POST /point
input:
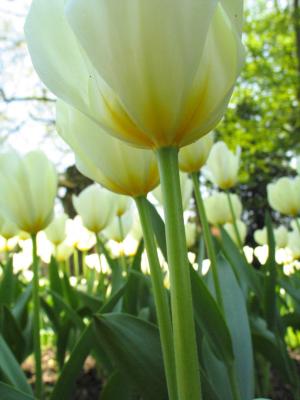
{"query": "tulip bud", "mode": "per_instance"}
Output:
(242, 230)
(280, 236)
(96, 207)
(218, 210)
(119, 227)
(78, 236)
(63, 252)
(190, 234)
(223, 166)
(163, 78)
(294, 243)
(122, 204)
(186, 186)
(28, 188)
(194, 156)
(284, 195)
(8, 229)
(56, 231)
(116, 165)
(261, 236)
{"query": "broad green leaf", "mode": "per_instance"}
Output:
(83, 347)
(237, 321)
(273, 349)
(12, 334)
(11, 369)
(8, 392)
(22, 302)
(7, 284)
(210, 320)
(134, 347)
(67, 379)
(72, 315)
(117, 388)
(245, 274)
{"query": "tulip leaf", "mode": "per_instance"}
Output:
(245, 274)
(210, 320)
(117, 388)
(21, 303)
(7, 284)
(134, 347)
(158, 228)
(72, 315)
(273, 349)
(237, 321)
(8, 392)
(83, 347)
(136, 263)
(11, 369)
(12, 334)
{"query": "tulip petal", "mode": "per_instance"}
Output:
(148, 52)
(105, 159)
(55, 52)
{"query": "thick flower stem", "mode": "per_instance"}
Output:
(36, 322)
(208, 239)
(185, 346)
(236, 231)
(160, 298)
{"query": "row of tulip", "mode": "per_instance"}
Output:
(139, 85)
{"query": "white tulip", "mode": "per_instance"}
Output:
(223, 166)
(56, 231)
(155, 73)
(112, 163)
(284, 195)
(218, 210)
(28, 188)
(242, 230)
(96, 206)
(8, 229)
(119, 227)
(194, 156)
(190, 234)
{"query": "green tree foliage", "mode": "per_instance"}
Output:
(263, 117)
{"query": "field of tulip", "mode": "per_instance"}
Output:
(157, 289)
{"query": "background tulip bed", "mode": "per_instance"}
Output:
(165, 264)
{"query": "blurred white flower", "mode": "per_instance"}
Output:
(241, 228)
(56, 231)
(186, 186)
(218, 210)
(284, 195)
(222, 166)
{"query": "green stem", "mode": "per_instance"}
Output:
(237, 233)
(185, 346)
(36, 321)
(208, 239)
(123, 259)
(160, 297)
(76, 264)
(233, 382)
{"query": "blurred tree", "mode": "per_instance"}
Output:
(263, 117)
